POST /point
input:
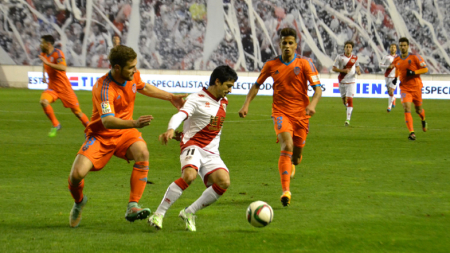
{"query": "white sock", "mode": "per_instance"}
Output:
(391, 99)
(208, 197)
(172, 194)
(349, 112)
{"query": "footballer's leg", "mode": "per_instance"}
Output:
(139, 153)
(285, 165)
(393, 96)
(81, 166)
(421, 112)
(80, 115)
(406, 102)
(349, 94)
(220, 180)
(296, 159)
(70, 100)
(172, 194)
(391, 102)
(343, 90)
(46, 99)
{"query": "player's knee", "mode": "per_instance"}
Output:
(288, 146)
(142, 155)
(189, 177)
(44, 102)
(418, 110)
(77, 112)
(75, 176)
(224, 183)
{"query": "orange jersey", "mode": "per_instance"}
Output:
(58, 80)
(412, 62)
(110, 98)
(290, 84)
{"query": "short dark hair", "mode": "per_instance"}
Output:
(223, 73)
(288, 32)
(49, 39)
(393, 44)
(120, 55)
(349, 42)
(403, 39)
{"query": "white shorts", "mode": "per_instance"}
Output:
(389, 83)
(204, 162)
(347, 89)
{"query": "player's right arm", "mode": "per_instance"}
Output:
(44, 80)
(250, 96)
(185, 112)
(174, 123)
(265, 73)
(336, 65)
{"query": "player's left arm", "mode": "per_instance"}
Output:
(357, 68)
(311, 108)
(154, 92)
(313, 77)
(421, 65)
(60, 65)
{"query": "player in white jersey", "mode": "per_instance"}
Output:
(203, 115)
(348, 66)
(389, 74)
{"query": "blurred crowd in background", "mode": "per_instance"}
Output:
(171, 33)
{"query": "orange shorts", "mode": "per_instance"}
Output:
(100, 149)
(412, 96)
(297, 127)
(69, 99)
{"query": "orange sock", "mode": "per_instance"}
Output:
(51, 115)
(285, 167)
(77, 191)
(138, 180)
(393, 100)
(422, 114)
(84, 119)
(409, 121)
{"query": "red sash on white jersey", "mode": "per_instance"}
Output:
(349, 65)
(388, 70)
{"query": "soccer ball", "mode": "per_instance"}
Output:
(259, 214)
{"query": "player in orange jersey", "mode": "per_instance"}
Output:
(291, 108)
(112, 131)
(409, 68)
(58, 84)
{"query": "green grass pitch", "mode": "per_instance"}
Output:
(363, 188)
